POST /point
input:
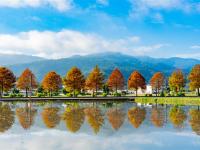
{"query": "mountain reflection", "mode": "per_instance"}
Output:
(98, 118)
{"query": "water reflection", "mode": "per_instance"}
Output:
(26, 115)
(158, 116)
(177, 116)
(6, 117)
(95, 118)
(50, 117)
(136, 116)
(74, 118)
(195, 120)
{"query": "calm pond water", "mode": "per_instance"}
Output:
(98, 126)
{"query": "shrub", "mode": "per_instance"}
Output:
(162, 94)
(40, 95)
(104, 94)
(117, 94)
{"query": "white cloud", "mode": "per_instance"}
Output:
(61, 5)
(143, 7)
(195, 47)
(142, 50)
(66, 43)
(103, 2)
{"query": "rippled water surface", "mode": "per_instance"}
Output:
(98, 126)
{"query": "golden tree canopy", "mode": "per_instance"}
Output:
(177, 80)
(116, 80)
(26, 116)
(95, 79)
(74, 80)
(95, 118)
(194, 77)
(177, 116)
(136, 116)
(7, 117)
(7, 79)
(157, 117)
(74, 118)
(27, 80)
(157, 81)
(52, 82)
(50, 117)
(195, 120)
(116, 118)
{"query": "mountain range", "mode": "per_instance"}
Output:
(8, 59)
(107, 62)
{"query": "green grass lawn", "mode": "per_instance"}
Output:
(169, 100)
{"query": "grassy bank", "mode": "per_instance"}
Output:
(169, 100)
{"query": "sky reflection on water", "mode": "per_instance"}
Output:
(95, 126)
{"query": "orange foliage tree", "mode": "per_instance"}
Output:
(95, 80)
(74, 80)
(116, 80)
(7, 80)
(194, 78)
(177, 80)
(136, 116)
(27, 81)
(157, 82)
(136, 81)
(52, 82)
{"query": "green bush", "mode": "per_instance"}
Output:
(104, 94)
(180, 94)
(117, 94)
(69, 95)
(40, 95)
(162, 94)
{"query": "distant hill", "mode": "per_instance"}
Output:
(107, 62)
(6, 59)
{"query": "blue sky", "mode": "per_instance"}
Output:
(62, 28)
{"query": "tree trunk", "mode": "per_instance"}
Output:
(198, 92)
(136, 92)
(26, 92)
(74, 93)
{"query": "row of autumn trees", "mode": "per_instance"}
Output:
(74, 117)
(74, 81)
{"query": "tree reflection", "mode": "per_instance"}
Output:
(6, 117)
(195, 120)
(177, 116)
(116, 118)
(26, 115)
(95, 118)
(74, 118)
(50, 117)
(157, 117)
(136, 116)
